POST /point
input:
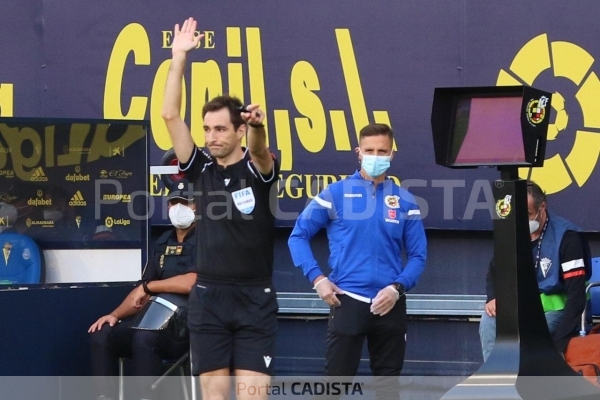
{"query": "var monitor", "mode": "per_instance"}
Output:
(490, 126)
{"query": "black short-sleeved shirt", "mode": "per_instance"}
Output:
(170, 258)
(235, 222)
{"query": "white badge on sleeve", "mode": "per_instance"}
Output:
(244, 200)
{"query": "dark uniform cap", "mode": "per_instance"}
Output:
(181, 189)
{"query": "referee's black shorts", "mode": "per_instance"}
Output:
(232, 326)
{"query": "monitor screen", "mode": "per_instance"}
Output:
(487, 130)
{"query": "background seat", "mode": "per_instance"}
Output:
(21, 261)
(592, 308)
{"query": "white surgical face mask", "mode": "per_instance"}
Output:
(534, 224)
(375, 166)
(181, 216)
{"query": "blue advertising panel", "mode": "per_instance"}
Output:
(321, 71)
(79, 189)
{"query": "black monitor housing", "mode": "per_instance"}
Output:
(490, 126)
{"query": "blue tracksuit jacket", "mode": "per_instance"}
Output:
(368, 228)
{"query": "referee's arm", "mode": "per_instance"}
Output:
(257, 140)
(183, 144)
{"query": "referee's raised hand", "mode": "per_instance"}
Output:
(254, 117)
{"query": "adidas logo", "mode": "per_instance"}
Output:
(77, 200)
(38, 175)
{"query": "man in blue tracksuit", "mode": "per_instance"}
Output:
(370, 221)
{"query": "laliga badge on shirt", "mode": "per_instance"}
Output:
(244, 200)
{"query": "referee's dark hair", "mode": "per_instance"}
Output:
(225, 101)
(536, 192)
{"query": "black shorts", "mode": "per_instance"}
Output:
(232, 326)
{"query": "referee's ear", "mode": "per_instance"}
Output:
(241, 132)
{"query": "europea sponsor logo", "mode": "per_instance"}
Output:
(39, 202)
(77, 177)
(125, 198)
(7, 173)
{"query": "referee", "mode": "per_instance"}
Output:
(233, 306)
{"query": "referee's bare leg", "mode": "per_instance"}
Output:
(214, 385)
(249, 385)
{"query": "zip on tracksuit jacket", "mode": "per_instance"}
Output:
(368, 227)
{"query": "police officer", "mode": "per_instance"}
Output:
(171, 269)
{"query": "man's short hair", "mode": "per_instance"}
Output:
(536, 193)
(376, 130)
(233, 104)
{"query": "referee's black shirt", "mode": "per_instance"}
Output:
(235, 227)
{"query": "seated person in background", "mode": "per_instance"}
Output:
(562, 265)
(171, 269)
(8, 216)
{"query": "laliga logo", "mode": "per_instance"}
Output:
(110, 222)
(563, 60)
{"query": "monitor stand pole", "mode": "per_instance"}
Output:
(524, 363)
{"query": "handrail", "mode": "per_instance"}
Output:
(416, 304)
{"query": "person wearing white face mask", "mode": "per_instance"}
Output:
(562, 265)
(171, 268)
(370, 221)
